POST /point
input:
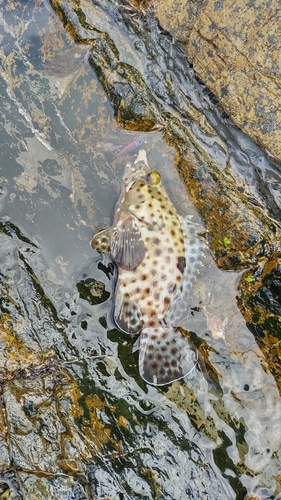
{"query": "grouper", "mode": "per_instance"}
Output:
(157, 253)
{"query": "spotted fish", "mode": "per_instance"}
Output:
(156, 252)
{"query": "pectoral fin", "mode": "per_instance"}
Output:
(127, 247)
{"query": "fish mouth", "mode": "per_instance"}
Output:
(141, 157)
(133, 172)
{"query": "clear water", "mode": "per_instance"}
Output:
(80, 421)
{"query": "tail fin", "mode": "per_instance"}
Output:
(164, 356)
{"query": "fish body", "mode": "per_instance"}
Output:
(156, 252)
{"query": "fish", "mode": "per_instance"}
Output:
(157, 252)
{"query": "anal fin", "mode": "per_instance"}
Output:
(126, 313)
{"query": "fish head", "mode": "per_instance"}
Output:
(143, 207)
(138, 171)
(139, 181)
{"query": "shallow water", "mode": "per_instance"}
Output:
(77, 420)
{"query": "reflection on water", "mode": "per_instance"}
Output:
(78, 419)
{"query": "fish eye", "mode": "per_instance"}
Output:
(153, 178)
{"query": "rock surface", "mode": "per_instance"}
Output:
(235, 49)
(77, 81)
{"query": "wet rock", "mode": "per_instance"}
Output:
(234, 50)
(64, 412)
(251, 496)
(135, 106)
(260, 304)
(93, 291)
(9, 485)
(57, 487)
(226, 211)
(69, 379)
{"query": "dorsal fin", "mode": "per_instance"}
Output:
(194, 246)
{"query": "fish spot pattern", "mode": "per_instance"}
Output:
(181, 264)
(156, 287)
